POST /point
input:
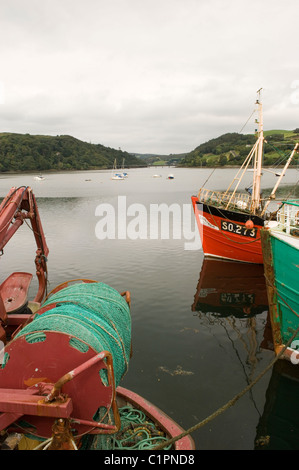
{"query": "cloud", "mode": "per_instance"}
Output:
(152, 76)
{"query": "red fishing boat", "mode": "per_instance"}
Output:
(229, 222)
(63, 358)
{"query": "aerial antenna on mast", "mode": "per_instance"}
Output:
(253, 112)
(259, 94)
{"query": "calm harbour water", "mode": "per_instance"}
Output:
(191, 352)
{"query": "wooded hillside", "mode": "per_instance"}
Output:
(25, 152)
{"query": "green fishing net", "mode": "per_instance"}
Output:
(94, 315)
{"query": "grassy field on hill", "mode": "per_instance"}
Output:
(232, 148)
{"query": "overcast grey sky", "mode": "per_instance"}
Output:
(149, 76)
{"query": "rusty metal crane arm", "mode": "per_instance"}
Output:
(19, 205)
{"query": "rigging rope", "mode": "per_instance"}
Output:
(247, 121)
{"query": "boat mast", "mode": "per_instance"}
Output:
(256, 187)
(272, 195)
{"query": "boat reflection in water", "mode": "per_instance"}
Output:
(228, 288)
(231, 298)
(278, 427)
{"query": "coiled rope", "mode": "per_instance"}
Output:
(137, 432)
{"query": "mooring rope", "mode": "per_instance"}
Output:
(239, 395)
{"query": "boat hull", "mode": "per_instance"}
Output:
(281, 264)
(224, 233)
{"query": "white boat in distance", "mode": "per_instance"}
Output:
(117, 177)
(39, 178)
